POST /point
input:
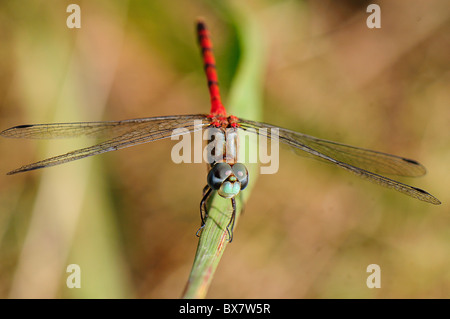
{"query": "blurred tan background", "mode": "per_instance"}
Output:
(129, 218)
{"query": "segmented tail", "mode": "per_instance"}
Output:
(217, 108)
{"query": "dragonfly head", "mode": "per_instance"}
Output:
(228, 180)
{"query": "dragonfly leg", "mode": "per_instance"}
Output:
(205, 189)
(230, 226)
(203, 209)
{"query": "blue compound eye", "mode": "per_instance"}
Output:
(241, 173)
(218, 174)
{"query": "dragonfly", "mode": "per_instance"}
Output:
(226, 176)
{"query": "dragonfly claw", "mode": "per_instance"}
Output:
(199, 231)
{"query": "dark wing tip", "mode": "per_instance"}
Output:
(428, 197)
(411, 161)
(419, 168)
(10, 131)
(23, 126)
(421, 191)
(23, 169)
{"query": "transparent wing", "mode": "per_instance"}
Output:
(361, 162)
(97, 129)
(124, 134)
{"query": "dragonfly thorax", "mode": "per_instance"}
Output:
(223, 145)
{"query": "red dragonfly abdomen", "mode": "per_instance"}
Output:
(218, 111)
